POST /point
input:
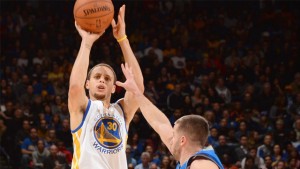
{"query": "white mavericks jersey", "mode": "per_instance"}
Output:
(100, 140)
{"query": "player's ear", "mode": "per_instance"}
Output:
(183, 140)
(87, 84)
(113, 90)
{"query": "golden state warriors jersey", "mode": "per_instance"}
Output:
(100, 140)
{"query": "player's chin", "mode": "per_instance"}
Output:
(99, 96)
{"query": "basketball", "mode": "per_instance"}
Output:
(93, 15)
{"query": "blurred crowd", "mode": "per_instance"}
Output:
(235, 63)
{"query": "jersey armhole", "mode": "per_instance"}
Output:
(198, 156)
(124, 114)
(84, 116)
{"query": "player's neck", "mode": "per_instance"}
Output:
(105, 101)
(187, 152)
(106, 104)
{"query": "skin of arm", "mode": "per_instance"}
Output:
(77, 99)
(157, 120)
(128, 103)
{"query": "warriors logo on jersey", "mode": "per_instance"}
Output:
(100, 138)
(107, 132)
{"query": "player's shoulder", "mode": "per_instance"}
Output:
(203, 163)
(119, 102)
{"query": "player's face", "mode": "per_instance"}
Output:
(175, 143)
(101, 83)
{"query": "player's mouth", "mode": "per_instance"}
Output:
(100, 87)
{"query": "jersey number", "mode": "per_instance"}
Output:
(112, 126)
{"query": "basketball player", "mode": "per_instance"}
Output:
(99, 128)
(186, 140)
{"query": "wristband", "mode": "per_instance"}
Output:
(121, 39)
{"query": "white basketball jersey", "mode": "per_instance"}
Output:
(100, 140)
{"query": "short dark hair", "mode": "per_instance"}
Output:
(102, 64)
(196, 127)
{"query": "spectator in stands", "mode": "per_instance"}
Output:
(258, 161)
(28, 146)
(223, 148)
(130, 159)
(266, 148)
(268, 162)
(249, 163)
(175, 99)
(297, 128)
(278, 154)
(213, 137)
(65, 134)
(242, 130)
(280, 135)
(242, 150)
(279, 165)
(296, 83)
(64, 152)
(42, 128)
(51, 137)
(39, 155)
(179, 61)
(145, 161)
(155, 49)
(165, 163)
(223, 91)
(55, 159)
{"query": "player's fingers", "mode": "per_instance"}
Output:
(128, 70)
(120, 20)
(113, 23)
(124, 70)
(127, 67)
(118, 83)
(123, 12)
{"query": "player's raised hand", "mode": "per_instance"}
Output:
(118, 28)
(90, 37)
(130, 84)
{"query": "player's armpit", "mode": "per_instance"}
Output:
(129, 105)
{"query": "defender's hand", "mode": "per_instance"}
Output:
(130, 84)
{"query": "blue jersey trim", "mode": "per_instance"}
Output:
(208, 154)
(84, 116)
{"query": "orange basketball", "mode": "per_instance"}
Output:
(93, 15)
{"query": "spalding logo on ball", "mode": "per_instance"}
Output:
(93, 15)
